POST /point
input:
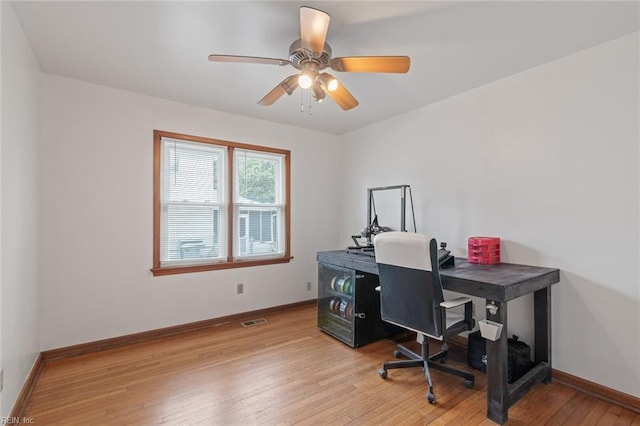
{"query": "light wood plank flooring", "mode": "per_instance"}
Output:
(283, 372)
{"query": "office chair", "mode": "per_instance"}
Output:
(411, 297)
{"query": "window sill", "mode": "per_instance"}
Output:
(217, 266)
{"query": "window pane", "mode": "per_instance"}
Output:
(258, 177)
(259, 231)
(259, 212)
(191, 232)
(192, 172)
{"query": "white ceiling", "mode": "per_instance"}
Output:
(160, 48)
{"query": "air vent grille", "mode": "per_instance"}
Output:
(253, 322)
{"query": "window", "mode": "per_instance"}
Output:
(218, 204)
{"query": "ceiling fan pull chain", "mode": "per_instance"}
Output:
(301, 100)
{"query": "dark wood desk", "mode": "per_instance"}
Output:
(497, 284)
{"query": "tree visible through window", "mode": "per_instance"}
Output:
(256, 177)
(218, 204)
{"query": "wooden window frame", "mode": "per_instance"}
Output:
(159, 270)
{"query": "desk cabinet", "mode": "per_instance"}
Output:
(349, 305)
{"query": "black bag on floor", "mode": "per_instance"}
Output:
(518, 354)
(477, 351)
(519, 359)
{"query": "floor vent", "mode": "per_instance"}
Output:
(251, 323)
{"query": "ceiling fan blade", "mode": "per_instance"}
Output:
(340, 95)
(288, 85)
(394, 64)
(314, 25)
(248, 59)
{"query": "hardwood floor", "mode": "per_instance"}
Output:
(283, 372)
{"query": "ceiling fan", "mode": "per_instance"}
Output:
(311, 54)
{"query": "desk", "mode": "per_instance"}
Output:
(497, 284)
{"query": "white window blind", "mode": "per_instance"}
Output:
(193, 203)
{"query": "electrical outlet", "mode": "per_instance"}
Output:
(239, 288)
(308, 285)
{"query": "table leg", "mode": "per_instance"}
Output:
(497, 363)
(542, 332)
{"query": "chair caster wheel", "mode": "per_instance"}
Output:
(468, 384)
(431, 398)
(397, 353)
(382, 373)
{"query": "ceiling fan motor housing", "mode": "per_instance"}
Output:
(298, 56)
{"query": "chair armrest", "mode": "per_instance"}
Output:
(455, 302)
(467, 320)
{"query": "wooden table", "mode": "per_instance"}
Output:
(497, 284)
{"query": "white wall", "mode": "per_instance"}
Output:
(19, 228)
(97, 215)
(547, 160)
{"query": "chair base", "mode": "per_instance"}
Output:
(435, 361)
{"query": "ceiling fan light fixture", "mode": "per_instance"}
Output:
(333, 85)
(318, 93)
(308, 75)
(305, 80)
(329, 82)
